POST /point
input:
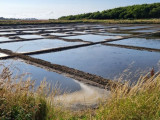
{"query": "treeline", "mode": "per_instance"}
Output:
(143, 11)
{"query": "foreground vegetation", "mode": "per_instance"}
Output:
(144, 11)
(21, 101)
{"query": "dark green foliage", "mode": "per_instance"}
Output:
(42, 111)
(144, 11)
(22, 108)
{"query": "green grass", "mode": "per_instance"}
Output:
(39, 22)
(22, 101)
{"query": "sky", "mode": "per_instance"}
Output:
(53, 9)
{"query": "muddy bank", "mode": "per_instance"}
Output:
(73, 40)
(133, 47)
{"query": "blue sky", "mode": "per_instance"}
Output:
(45, 9)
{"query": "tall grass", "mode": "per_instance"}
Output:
(140, 101)
(20, 100)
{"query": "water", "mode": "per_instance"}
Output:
(30, 31)
(91, 38)
(88, 95)
(79, 32)
(134, 27)
(30, 36)
(52, 30)
(82, 26)
(4, 39)
(145, 31)
(28, 46)
(69, 29)
(7, 33)
(140, 42)
(99, 27)
(38, 74)
(113, 34)
(59, 34)
(104, 61)
(3, 55)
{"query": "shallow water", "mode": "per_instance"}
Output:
(3, 55)
(52, 30)
(4, 39)
(144, 31)
(104, 61)
(99, 27)
(6, 33)
(59, 34)
(35, 73)
(88, 95)
(85, 25)
(79, 32)
(134, 27)
(30, 36)
(28, 46)
(140, 42)
(113, 34)
(30, 31)
(91, 38)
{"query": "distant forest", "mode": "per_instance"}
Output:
(144, 11)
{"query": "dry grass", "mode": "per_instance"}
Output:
(121, 21)
(126, 21)
(20, 100)
(141, 101)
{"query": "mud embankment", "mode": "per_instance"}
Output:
(133, 47)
